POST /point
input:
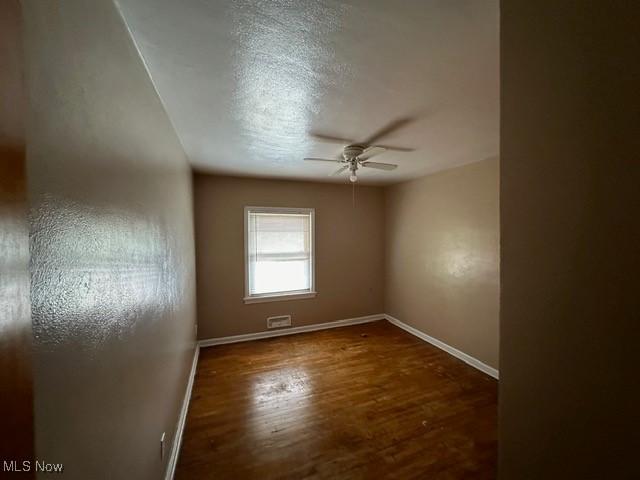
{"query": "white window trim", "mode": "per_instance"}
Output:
(280, 296)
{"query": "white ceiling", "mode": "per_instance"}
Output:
(246, 82)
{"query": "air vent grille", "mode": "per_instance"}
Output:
(279, 321)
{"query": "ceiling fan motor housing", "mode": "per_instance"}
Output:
(352, 151)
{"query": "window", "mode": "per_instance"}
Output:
(279, 258)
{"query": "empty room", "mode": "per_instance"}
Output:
(318, 239)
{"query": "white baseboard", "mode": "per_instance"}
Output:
(290, 331)
(474, 362)
(177, 437)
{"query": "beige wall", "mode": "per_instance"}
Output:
(112, 260)
(442, 257)
(431, 244)
(349, 252)
(570, 203)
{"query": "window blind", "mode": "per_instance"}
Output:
(279, 252)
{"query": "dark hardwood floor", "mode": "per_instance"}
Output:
(358, 402)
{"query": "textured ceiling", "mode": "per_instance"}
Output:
(246, 83)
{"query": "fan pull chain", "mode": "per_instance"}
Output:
(353, 194)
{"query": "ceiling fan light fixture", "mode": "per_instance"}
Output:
(353, 178)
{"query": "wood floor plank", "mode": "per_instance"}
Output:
(358, 402)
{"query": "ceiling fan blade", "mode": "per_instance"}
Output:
(331, 138)
(371, 152)
(396, 149)
(389, 128)
(380, 166)
(339, 171)
(323, 160)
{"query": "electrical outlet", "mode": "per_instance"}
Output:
(162, 446)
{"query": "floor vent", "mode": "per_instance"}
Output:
(279, 321)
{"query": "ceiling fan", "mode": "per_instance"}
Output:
(357, 155)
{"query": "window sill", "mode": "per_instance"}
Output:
(279, 297)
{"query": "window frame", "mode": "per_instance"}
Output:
(292, 294)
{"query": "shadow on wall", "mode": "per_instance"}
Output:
(16, 397)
